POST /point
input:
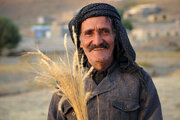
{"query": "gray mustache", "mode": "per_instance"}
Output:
(102, 45)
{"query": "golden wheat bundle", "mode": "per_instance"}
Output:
(68, 77)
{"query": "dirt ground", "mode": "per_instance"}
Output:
(25, 106)
(168, 89)
(34, 105)
(20, 99)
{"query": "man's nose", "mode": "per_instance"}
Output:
(97, 39)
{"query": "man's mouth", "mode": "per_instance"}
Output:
(96, 49)
(100, 47)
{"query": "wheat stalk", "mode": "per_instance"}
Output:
(69, 78)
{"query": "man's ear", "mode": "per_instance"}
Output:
(81, 46)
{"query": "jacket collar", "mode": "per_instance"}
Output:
(107, 84)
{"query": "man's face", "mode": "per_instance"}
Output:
(97, 40)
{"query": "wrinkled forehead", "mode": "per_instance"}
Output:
(96, 22)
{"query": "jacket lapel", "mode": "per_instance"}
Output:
(104, 86)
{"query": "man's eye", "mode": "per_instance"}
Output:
(105, 31)
(88, 33)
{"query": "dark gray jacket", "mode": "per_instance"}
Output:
(119, 96)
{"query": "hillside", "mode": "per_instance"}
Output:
(27, 11)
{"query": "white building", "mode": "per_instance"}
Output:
(44, 19)
(152, 32)
(142, 10)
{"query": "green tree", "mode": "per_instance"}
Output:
(127, 23)
(121, 12)
(9, 34)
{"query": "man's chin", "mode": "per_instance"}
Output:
(100, 59)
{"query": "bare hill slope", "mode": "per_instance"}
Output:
(27, 11)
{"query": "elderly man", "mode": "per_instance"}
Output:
(121, 90)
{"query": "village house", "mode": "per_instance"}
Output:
(44, 19)
(53, 31)
(151, 32)
(159, 18)
(41, 31)
(142, 11)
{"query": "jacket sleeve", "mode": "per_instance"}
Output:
(149, 100)
(53, 113)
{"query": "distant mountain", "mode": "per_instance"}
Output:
(24, 12)
(27, 11)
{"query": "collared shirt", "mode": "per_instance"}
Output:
(98, 76)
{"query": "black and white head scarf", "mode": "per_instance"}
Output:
(124, 54)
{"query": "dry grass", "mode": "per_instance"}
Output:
(175, 73)
(10, 68)
(68, 77)
(168, 54)
(145, 64)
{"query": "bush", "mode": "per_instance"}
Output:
(127, 23)
(9, 34)
(121, 12)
